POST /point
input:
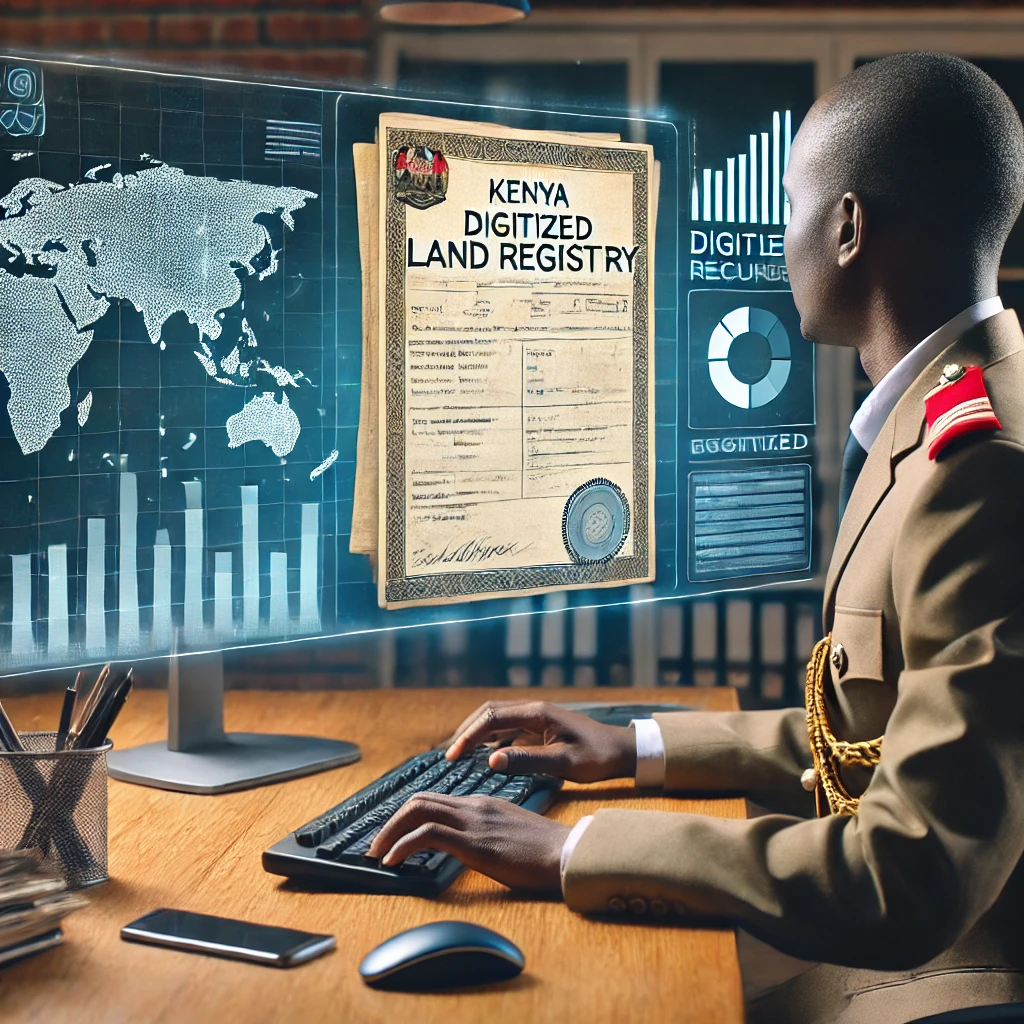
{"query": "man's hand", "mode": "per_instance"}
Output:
(513, 846)
(548, 740)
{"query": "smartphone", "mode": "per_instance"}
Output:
(222, 936)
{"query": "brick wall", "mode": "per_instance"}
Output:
(324, 39)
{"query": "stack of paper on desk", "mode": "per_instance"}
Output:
(507, 413)
(32, 904)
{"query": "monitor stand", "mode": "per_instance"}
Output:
(199, 757)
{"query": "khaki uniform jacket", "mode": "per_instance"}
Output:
(925, 592)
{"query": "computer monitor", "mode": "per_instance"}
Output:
(180, 278)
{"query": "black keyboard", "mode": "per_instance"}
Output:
(331, 849)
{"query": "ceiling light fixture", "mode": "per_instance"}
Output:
(449, 13)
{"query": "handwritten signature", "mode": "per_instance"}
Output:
(470, 552)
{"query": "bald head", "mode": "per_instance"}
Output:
(927, 140)
(904, 181)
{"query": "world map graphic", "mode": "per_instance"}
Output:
(164, 241)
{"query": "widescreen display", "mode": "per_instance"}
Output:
(183, 358)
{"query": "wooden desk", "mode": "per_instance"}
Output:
(203, 853)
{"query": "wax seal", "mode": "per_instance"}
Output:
(595, 521)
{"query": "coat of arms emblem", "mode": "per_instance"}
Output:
(421, 176)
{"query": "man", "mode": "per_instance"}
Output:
(904, 182)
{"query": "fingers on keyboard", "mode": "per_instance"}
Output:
(348, 830)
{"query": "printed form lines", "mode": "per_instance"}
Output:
(292, 140)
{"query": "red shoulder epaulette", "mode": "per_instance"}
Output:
(958, 406)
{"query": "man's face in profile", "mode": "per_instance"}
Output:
(811, 237)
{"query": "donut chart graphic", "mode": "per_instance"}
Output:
(761, 326)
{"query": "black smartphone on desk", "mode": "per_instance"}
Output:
(223, 936)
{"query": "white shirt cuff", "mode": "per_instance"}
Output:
(571, 840)
(650, 753)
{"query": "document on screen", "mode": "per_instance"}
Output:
(515, 383)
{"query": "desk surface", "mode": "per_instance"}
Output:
(203, 853)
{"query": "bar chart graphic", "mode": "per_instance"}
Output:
(160, 434)
(748, 190)
(221, 596)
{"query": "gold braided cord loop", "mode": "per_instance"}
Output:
(828, 752)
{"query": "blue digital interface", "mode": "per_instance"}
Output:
(181, 362)
(750, 438)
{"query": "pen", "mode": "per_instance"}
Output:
(8, 734)
(97, 728)
(85, 704)
(65, 713)
(97, 709)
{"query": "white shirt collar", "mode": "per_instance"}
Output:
(881, 400)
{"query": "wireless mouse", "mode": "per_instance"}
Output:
(440, 955)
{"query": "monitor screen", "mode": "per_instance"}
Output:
(186, 454)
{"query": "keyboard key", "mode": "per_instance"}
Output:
(469, 783)
(323, 827)
(491, 785)
(459, 771)
(516, 791)
(420, 858)
(362, 844)
(377, 817)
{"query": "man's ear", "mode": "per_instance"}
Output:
(851, 229)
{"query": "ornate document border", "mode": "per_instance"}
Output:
(399, 588)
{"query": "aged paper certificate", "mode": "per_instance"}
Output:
(363, 539)
(515, 396)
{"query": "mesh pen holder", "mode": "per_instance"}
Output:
(56, 802)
